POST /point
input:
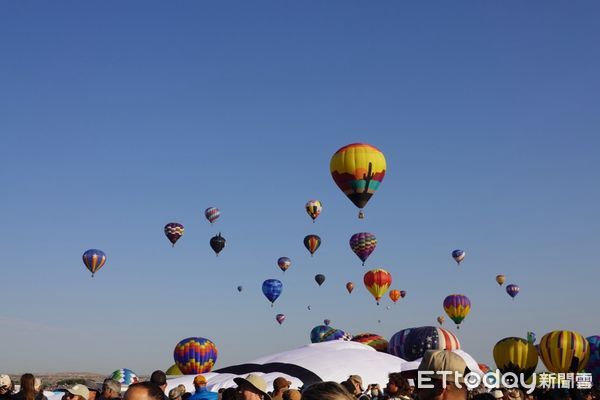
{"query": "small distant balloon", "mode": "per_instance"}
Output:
(312, 243)
(458, 255)
(314, 208)
(500, 279)
(363, 244)
(403, 293)
(280, 318)
(173, 231)
(272, 289)
(217, 243)
(94, 259)
(327, 322)
(388, 308)
(212, 214)
(394, 295)
(239, 288)
(308, 308)
(349, 287)
(441, 319)
(512, 290)
(284, 263)
(531, 337)
(320, 278)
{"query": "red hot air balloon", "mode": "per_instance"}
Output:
(280, 318)
(173, 231)
(395, 295)
(349, 287)
(377, 282)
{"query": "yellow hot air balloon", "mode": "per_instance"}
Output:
(358, 170)
(516, 355)
(500, 279)
(377, 281)
(173, 370)
(564, 351)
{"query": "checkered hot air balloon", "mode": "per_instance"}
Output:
(412, 343)
(94, 259)
(195, 355)
(125, 377)
(363, 244)
(212, 214)
(173, 231)
(457, 306)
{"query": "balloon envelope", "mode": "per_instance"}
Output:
(240, 288)
(320, 278)
(512, 290)
(377, 342)
(394, 295)
(327, 322)
(212, 214)
(441, 319)
(593, 365)
(217, 243)
(457, 306)
(363, 244)
(173, 231)
(312, 243)
(458, 255)
(94, 259)
(377, 281)
(500, 279)
(195, 355)
(284, 263)
(412, 343)
(349, 287)
(516, 355)
(125, 377)
(564, 351)
(314, 208)
(272, 288)
(280, 318)
(173, 370)
(402, 293)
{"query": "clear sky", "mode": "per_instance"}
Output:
(119, 117)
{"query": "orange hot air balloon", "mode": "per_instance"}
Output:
(349, 287)
(358, 170)
(377, 281)
(395, 295)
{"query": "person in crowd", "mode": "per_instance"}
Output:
(160, 378)
(253, 387)
(441, 386)
(77, 392)
(5, 387)
(397, 387)
(111, 390)
(202, 393)
(229, 394)
(292, 394)
(177, 392)
(280, 385)
(27, 391)
(143, 391)
(327, 391)
(39, 392)
(355, 386)
(95, 390)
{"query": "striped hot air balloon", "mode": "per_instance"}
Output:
(564, 351)
(394, 295)
(457, 306)
(173, 232)
(195, 355)
(377, 281)
(312, 243)
(363, 244)
(377, 342)
(212, 214)
(94, 259)
(516, 355)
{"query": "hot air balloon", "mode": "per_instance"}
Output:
(173, 231)
(313, 208)
(94, 259)
(363, 244)
(280, 318)
(212, 214)
(272, 288)
(284, 263)
(457, 306)
(593, 365)
(564, 351)
(403, 293)
(239, 288)
(484, 368)
(377, 282)
(512, 290)
(320, 278)
(531, 337)
(412, 343)
(458, 255)
(323, 333)
(195, 355)
(515, 355)
(394, 295)
(217, 243)
(371, 339)
(500, 279)
(327, 322)
(173, 370)
(349, 287)
(125, 377)
(312, 243)
(316, 334)
(358, 170)
(441, 319)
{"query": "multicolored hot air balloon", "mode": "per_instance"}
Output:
(284, 263)
(531, 337)
(320, 278)
(441, 319)
(394, 295)
(195, 355)
(403, 293)
(272, 288)
(512, 290)
(358, 170)
(327, 322)
(125, 377)
(500, 279)
(593, 365)
(349, 287)
(314, 208)
(457, 306)
(564, 351)
(280, 318)
(312, 243)
(412, 343)
(217, 243)
(516, 355)
(316, 334)
(363, 244)
(212, 214)
(377, 282)
(94, 259)
(371, 339)
(458, 255)
(323, 333)
(173, 231)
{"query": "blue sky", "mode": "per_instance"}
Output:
(118, 117)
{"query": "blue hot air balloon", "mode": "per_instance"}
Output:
(272, 288)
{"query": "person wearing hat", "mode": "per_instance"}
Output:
(280, 385)
(111, 390)
(355, 382)
(202, 393)
(253, 387)
(176, 392)
(77, 392)
(5, 387)
(441, 376)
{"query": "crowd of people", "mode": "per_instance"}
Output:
(442, 386)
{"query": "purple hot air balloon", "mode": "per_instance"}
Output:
(284, 263)
(212, 214)
(363, 244)
(173, 231)
(327, 322)
(512, 290)
(593, 365)
(280, 318)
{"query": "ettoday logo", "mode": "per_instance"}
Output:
(490, 380)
